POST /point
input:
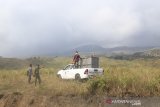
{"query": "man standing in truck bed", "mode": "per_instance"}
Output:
(76, 59)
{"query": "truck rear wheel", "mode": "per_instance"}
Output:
(77, 77)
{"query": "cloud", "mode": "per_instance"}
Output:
(51, 26)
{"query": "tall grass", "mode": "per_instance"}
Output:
(121, 78)
(130, 78)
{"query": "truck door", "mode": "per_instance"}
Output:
(69, 72)
(68, 69)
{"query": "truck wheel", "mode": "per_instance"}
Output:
(59, 76)
(77, 77)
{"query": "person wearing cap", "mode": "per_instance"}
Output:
(37, 74)
(29, 73)
(76, 59)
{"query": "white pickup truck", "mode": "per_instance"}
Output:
(70, 72)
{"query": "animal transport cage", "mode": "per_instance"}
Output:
(89, 62)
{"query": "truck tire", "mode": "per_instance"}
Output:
(77, 77)
(59, 76)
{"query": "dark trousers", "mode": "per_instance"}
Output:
(29, 78)
(76, 64)
(37, 77)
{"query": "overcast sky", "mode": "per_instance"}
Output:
(32, 27)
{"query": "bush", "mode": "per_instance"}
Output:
(97, 85)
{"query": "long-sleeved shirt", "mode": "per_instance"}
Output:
(30, 71)
(36, 72)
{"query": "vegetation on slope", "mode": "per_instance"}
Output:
(140, 77)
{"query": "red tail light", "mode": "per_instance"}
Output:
(86, 71)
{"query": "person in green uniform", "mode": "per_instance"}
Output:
(37, 74)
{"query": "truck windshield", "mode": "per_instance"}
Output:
(69, 67)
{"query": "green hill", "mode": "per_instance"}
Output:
(151, 53)
(15, 63)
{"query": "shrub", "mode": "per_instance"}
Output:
(97, 85)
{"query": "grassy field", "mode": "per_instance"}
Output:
(136, 78)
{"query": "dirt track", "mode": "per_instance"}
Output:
(17, 99)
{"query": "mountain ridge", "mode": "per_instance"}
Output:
(97, 49)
